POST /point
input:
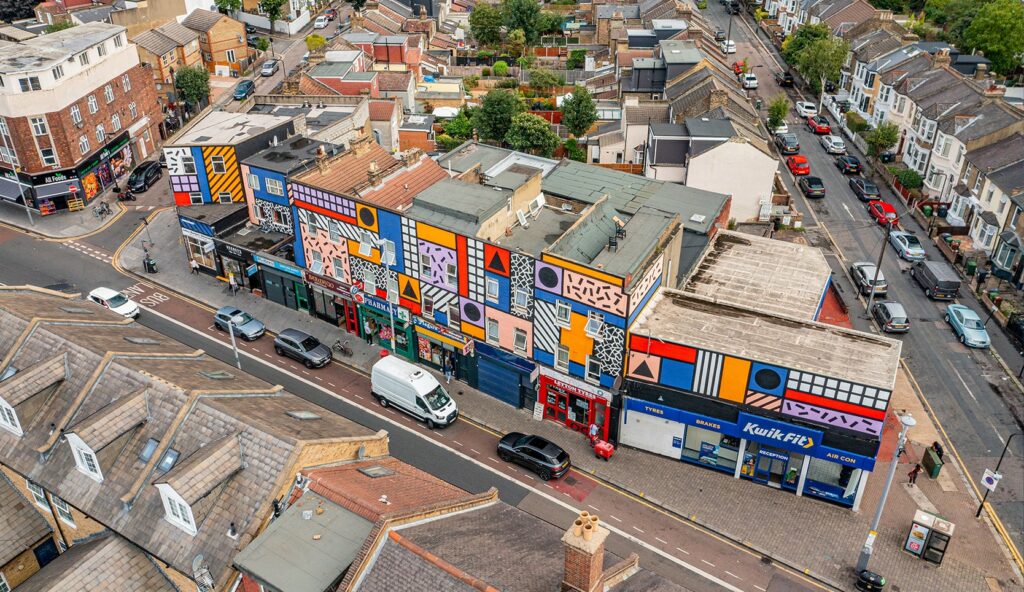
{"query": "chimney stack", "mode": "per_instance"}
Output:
(584, 555)
(981, 71)
(718, 98)
(373, 174)
(941, 58)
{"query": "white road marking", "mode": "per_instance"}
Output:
(492, 459)
(593, 508)
(457, 442)
(708, 562)
(729, 573)
(996, 432)
(318, 378)
(331, 383)
(760, 588)
(963, 382)
(662, 541)
(566, 506)
(304, 372)
(615, 518)
(358, 396)
(638, 530)
(474, 451)
(847, 208)
(683, 551)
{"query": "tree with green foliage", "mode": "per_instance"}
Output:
(533, 134)
(579, 111)
(262, 44)
(954, 16)
(882, 139)
(59, 26)
(12, 10)
(574, 151)
(549, 22)
(525, 61)
(357, 5)
(801, 38)
(494, 117)
(543, 79)
(777, 111)
(315, 43)
(522, 14)
(820, 61)
(577, 58)
(193, 84)
(485, 23)
(273, 9)
(500, 68)
(228, 6)
(998, 30)
(515, 41)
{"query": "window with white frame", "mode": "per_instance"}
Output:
(38, 495)
(1004, 255)
(593, 370)
(176, 511)
(454, 317)
(126, 83)
(115, 122)
(563, 313)
(101, 134)
(224, 197)
(427, 307)
(101, 49)
(988, 196)
(133, 109)
(76, 115)
(58, 72)
(275, 187)
(392, 290)
(85, 458)
(493, 335)
(9, 418)
(93, 105)
(118, 42)
(451, 274)
(195, 198)
(48, 156)
(38, 126)
(960, 154)
(217, 165)
(83, 144)
(4, 586)
(29, 84)
(1012, 223)
(425, 271)
(63, 511)
(108, 93)
(562, 358)
(521, 299)
(254, 182)
(519, 341)
(387, 253)
(317, 266)
(1003, 200)
(333, 232)
(83, 58)
(492, 289)
(595, 322)
(369, 282)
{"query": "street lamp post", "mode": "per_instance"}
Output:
(878, 266)
(1001, 456)
(865, 553)
(234, 344)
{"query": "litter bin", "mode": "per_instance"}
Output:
(943, 210)
(931, 464)
(149, 264)
(971, 267)
(927, 211)
(758, 102)
(869, 581)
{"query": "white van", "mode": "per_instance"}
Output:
(413, 390)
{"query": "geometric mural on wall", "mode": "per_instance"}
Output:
(410, 248)
(644, 367)
(496, 260)
(176, 161)
(645, 284)
(549, 277)
(475, 268)
(838, 390)
(609, 349)
(833, 418)
(522, 282)
(440, 258)
(545, 328)
(594, 293)
(472, 312)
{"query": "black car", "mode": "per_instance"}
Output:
(144, 175)
(733, 7)
(720, 34)
(848, 165)
(812, 186)
(864, 190)
(787, 143)
(784, 79)
(250, 29)
(548, 460)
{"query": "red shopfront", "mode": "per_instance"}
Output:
(332, 301)
(574, 403)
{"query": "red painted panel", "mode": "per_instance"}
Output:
(460, 253)
(833, 404)
(496, 260)
(324, 211)
(660, 348)
(181, 198)
(413, 307)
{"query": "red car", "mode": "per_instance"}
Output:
(331, 14)
(883, 212)
(798, 165)
(818, 124)
(739, 67)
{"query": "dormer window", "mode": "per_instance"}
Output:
(176, 511)
(9, 419)
(85, 457)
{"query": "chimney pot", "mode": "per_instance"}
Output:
(577, 527)
(588, 531)
(981, 71)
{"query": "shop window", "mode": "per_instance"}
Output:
(425, 271)
(254, 182)
(563, 312)
(493, 336)
(831, 481)
(492, 290)
(711, 449)
(593, 370)
(595, 322)
(454, 317)
(519, 341)
(195, 198)
(224, 197)
(200, 251)
(427, 307)
(562, 358)
(217, 165)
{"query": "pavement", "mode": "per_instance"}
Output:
(803, 534)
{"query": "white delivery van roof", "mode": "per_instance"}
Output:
(421, 380)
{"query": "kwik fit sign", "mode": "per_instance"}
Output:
(777, 433)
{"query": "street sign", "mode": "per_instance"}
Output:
(72, 189)
(359, 297)
(990, 480)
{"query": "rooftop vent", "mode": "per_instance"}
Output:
(303, 415)
(376, 471)
(217, 375)
(142, 340)
(698, 218)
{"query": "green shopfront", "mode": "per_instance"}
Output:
(379, 316)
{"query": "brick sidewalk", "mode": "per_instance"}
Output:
(804, 533)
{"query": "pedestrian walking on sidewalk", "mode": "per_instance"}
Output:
(593, 434)
(913, 474)
(938, 449)
(233, 283)
(194, 265)
(368, 330)
(446, 363)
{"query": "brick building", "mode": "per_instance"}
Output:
(222, 41)
(77, 110)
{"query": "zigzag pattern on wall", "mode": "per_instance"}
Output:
(522, 279)
(441, 298)
(609, 349)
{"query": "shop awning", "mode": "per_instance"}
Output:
(443, 339)
(11, 190)
(59, 188)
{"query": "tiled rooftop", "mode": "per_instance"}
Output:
(21, 524)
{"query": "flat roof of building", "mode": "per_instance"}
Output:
(317, 117)
(220, 128)
(758, 335)
(48, 50)
(457, 205)
(549, 224)
(290, 155)
(770, 275)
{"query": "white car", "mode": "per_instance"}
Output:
(115, 301)
(728, 46)
(321, 22)
(782, 129)
(833, 144)
(806, 109)
(749, 80)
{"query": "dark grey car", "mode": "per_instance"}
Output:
(246, 327)
(302, 347)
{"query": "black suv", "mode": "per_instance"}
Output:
(787, 143)
(535, 453)
(784, 79)
(144, 176)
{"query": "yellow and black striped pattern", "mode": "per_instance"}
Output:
(230, 181)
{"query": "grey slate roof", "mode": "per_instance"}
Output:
(645, 113)
(153, 42)
(457, 205)
(979, 118)
(1010, 178)
(998, 154)
(21, 525)
(202, 20)
(706, 127)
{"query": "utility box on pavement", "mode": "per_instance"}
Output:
(929, 537)
(931, 463)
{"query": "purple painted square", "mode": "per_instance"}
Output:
(440, 259)
(548, 277)
(472, 312)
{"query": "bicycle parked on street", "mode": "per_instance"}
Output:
(342, 348)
